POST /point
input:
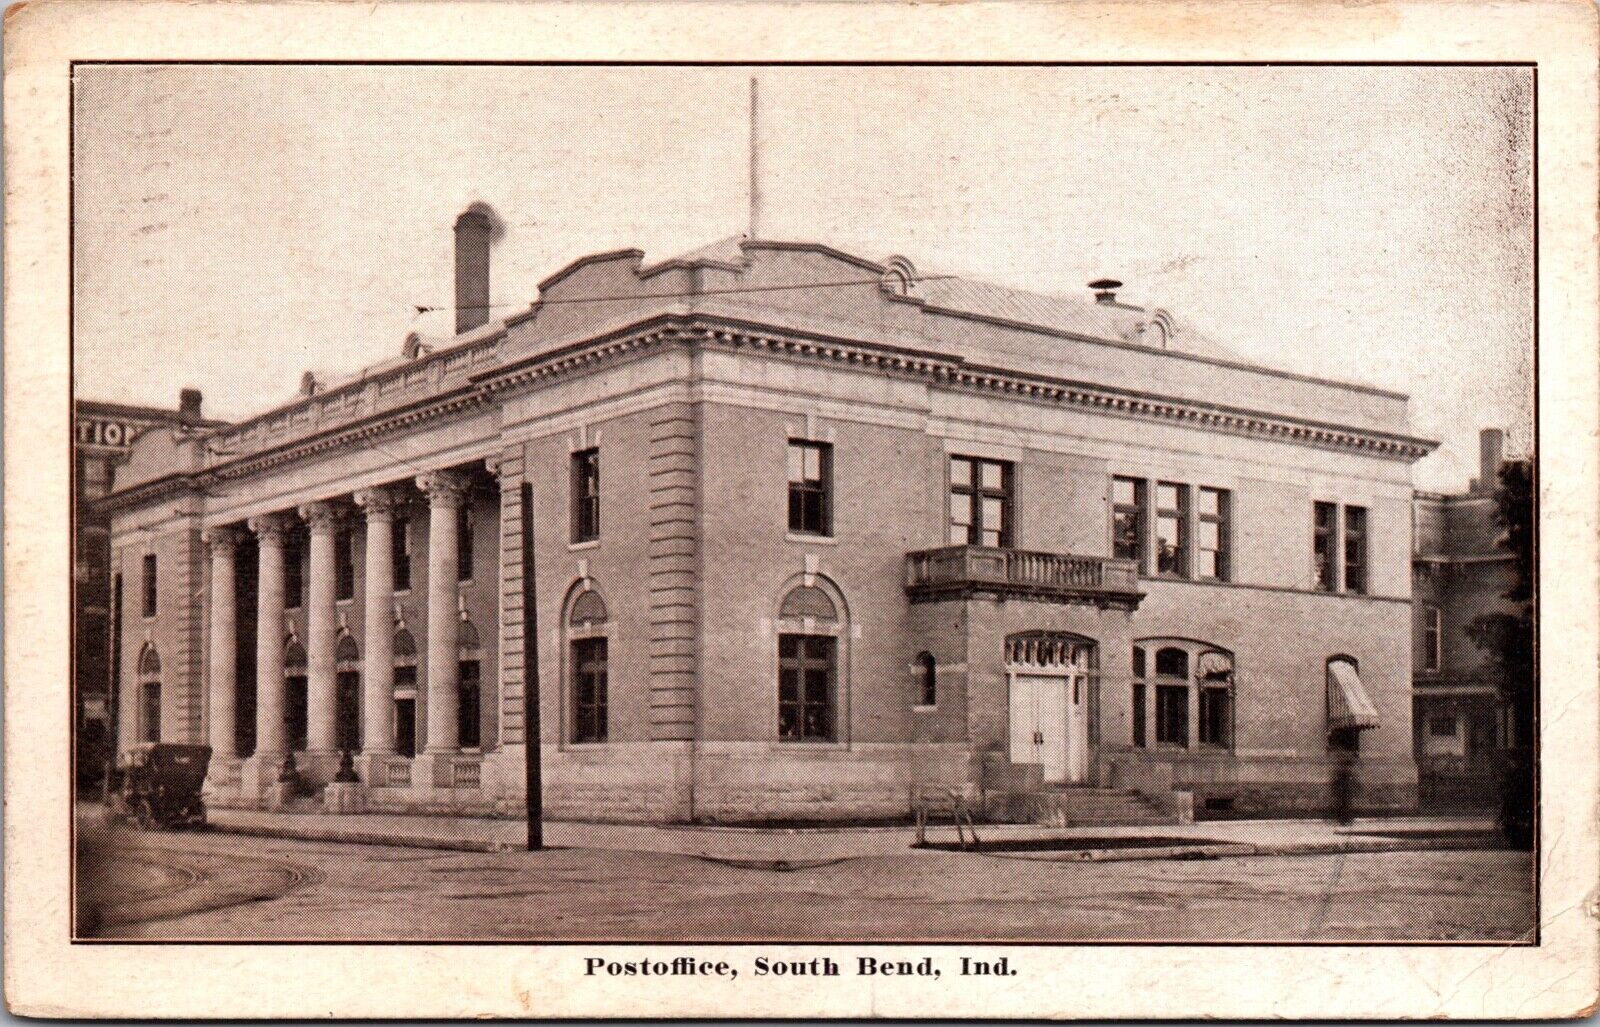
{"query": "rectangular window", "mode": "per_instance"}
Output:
(586, 495)
(1172, 529)
(1138, 715)
(1212, 530)
(464, 542)
(296, 712)
(1442, 726)
(1325, 527)
(1432, 637)
(980, 502)
(150, 701)
(470, 688)
(810, 488)
(805, 687)
(344, 564)
(149, 604)
(405, 711)
(1216, 716)
(400, 550)
(1355, 549)
(294, 575)
(1172, 715)
(1129, 511)
(589, 720)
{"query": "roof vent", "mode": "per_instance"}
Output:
(1105, 289)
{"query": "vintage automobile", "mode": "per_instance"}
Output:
(157, 785)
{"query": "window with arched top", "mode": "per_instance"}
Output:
(405, 648)
(149, 662)
(347, 693)
(588, 653)
(808, 601)
(346, 653)
(813, 663)
(294, 657)
(150, 694)
(588, 610)
(469, 687)
(1191, 686)
(296, 709)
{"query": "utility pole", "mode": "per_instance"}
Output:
(532, 777)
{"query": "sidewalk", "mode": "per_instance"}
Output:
(1186, 841)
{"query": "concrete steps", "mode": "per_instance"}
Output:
(1073, 806)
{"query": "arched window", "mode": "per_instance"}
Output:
(405, 648)
(812, 637)
(588, 666)
(808, 601)
(296, 717)
(1181, 667)
(150, 694)
(927, 680)
(469, 688)
(588, 610)
(347, 697)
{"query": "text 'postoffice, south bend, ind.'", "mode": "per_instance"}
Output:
(814, 537)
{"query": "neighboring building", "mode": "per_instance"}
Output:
(1460, 572)
(104, 432)
(809, 533)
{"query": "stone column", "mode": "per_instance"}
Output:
(224, 656)
(261, 770)
(321, 634)
(446, 493)
(377, 681)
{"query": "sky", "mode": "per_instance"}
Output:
(238, 225)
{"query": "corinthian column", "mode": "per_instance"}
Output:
(321, 630)
(446, 492)
(272, 531)
(377, 700)
(224, 662)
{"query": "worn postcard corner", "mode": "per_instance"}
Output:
(1051, 511)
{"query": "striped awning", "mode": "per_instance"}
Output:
(1349, 706)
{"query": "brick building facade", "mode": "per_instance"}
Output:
(811, 535)
(1461, 572)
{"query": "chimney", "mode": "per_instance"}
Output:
(1491, 454)
(189, 405)
(1105, 289)
(473, 230)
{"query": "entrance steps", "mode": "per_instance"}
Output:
(1074, 806)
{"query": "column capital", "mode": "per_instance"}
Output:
(379, 503)
(222, 538)
(444, 488)
(323, 516)
(272, 527)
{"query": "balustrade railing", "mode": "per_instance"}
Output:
(957, 566)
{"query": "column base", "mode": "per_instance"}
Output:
(433, 770)
(258, 774)
(222, 788)
(317, 767)
(372, 766)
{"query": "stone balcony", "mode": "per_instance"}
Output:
(960, 572)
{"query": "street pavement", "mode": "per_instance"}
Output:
(214, 885)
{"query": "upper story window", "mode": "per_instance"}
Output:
(400, 553)
(464, 542)
(1339, 547)
(927, 680)
(1212, 532)
(1355, 549)
(149, 566)
(586, 495)
(1129, 511)
(810, 488)
(1432, 639)
(980, 502)
(344, 564)
(1172, 529)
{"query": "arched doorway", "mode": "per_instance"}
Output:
(347, 722)
(1050, 676)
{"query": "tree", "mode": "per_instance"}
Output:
(1510, 642)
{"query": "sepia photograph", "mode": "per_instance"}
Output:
(804, 503)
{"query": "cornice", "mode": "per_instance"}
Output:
(688, 329)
